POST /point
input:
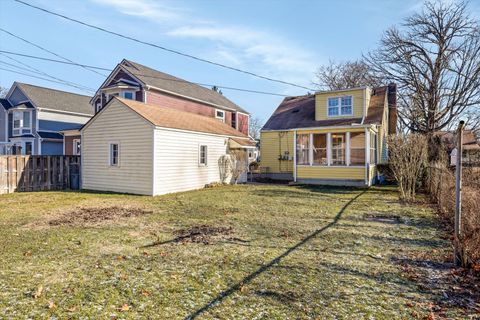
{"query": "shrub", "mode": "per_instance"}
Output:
(407, 156)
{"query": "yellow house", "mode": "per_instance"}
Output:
(331, 137)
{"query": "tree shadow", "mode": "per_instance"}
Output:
(237, 286)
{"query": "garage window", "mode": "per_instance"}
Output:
(202, 155)
(114, 153)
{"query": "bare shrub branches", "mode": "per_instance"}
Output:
(407, 159)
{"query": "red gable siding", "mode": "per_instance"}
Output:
(242, 123)
(184, 105)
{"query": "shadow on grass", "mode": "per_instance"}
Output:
(236, 287)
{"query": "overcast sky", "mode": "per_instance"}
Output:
(287, 40)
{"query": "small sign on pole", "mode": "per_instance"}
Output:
(458, 196)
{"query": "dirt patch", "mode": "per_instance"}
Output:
(203, 234)
(382, 218)
(97, 215)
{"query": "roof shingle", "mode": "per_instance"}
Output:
(176, 85)
(175, 119)
(56, 99)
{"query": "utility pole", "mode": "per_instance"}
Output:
(458, 196)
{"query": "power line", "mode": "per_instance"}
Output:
(68, 83)
(46, 50)
(30, 75)
(149, 76)
(162, 47)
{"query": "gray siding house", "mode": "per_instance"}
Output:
(32, 117)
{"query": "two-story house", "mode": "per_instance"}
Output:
(330, 137)
(131, 80)
(32, 117)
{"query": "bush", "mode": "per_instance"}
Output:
(253, 165)
(407, 156)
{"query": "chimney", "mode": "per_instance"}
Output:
(392, 108)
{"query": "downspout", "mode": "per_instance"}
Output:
(295, 156)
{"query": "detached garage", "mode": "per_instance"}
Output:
(133, 147)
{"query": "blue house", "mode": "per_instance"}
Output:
(32, 117)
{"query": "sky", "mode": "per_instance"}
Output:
(285, 40)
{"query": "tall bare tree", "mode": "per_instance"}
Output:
(255, 126)
(435, 61)
(347, 74)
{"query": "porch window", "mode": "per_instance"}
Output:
(373, 148)
(303, 145)
(320, 149)
(338, 149)
(202, 155)
(357, 148)
(340, 106)
(114, 152)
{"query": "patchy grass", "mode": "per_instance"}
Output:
(270, 252)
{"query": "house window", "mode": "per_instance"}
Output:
(357, 148)
(22, 122)
(303, 145)
(114, 151)
(129, 95)
(28, 148)
(98, 106)
(202, 155)
(76, 147)
(220, 115)
(234, 120)
(338, 149)
(373, 148)
(340, 106)
(320, 149)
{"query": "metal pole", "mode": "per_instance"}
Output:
(458, 196)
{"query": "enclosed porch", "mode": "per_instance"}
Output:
(336, 156)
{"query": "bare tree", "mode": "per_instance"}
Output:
(255, 126)
(3, 92)
(343, 75)
(407, 159)
(435, 61)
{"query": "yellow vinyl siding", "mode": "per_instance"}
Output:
(273, 144)
(134, 135)
(358, 103)
(337, 173)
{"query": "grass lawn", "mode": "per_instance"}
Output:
(281, 252)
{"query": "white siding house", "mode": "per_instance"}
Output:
(132, 147)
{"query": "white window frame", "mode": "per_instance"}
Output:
(21, 129)
(200, 163)
(110, 153)
(98, 105)
(223, 114)
(339, 106)
(74, 147)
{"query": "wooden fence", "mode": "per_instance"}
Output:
(37, 173)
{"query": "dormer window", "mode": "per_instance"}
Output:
(340, 106)
(220, 115)
(129, 95)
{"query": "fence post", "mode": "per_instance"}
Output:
(458, 196)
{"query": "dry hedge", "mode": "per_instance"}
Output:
(441, 187)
